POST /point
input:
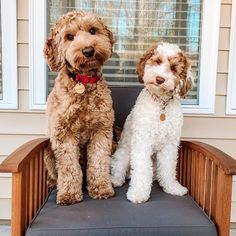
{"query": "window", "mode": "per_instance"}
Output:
(8, 56)
(139, 23)
(231, 93)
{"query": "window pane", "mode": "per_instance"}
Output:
(1, 89)
(136, 25)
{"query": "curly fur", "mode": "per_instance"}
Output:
(79, 125)
(149, 146)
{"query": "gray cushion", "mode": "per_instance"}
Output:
(163, 214)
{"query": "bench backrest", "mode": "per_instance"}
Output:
(123, 100)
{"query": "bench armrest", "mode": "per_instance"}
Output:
(29, 183)
(204, 170)
(207, 173)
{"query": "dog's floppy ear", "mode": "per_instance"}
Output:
(108, 33)
(110, 36)
(186, 77)
(51, 51)
(141, 64)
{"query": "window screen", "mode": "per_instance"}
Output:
(136, 26)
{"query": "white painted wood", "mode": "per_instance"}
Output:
(231, 91)
(9, 143)
(194, 127)
(4, 175)
(209, 49)
(37, 34)
(2, 158)
(5, 209)
(5, 184)
(234, 192)
(233, 232)
(9, 55)
(211, 128)
(233, 212)
(23, 124)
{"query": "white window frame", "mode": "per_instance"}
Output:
(208, 57)
(9, 55)
(231, 87)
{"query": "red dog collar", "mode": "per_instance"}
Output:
(84, 79)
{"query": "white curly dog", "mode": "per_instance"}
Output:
(150, 139)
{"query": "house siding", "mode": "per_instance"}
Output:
(22, 125)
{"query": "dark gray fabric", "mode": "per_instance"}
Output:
(163, 214)
(123, 99)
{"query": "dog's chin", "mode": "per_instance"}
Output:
(157, 89)
(87, 65)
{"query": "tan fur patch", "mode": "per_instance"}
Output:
(142, 62)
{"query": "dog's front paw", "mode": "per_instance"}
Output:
(117, 180)
(137, 195)
(69, 198)
(176, 189)
(103, 191)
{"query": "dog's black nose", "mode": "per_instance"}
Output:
(160, 80)
(88, 51)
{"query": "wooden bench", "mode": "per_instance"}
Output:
(204, 170)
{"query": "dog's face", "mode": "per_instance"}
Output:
(80, 40)
(165, 69)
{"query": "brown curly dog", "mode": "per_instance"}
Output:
(80, 114)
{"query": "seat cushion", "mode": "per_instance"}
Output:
(163, 214)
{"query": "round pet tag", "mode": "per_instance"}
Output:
(162, 117)
(79, 88)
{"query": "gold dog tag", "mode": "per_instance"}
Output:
(162, 117)
(79, 88)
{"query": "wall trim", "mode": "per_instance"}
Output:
(231, 86)
(37, 36)
(9, 55)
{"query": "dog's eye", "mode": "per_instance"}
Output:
(173, 68)
(92, 31)
(158, 61)
(70, 37)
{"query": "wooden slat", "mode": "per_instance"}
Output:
(201, 180)
(40, 178)
(177, 168)
(44, 182)
(207, 185)
(196, 182)
(27, 177)
(181, 166)
(189, 166)
(192, 188)
(213, 189)
(36, 182)
(17, 224)
(185, 154)
(31, 190)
